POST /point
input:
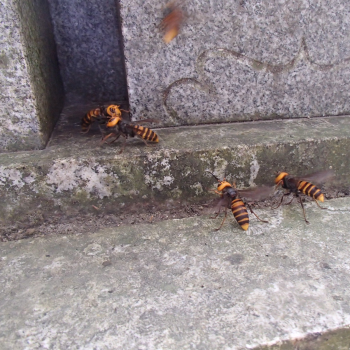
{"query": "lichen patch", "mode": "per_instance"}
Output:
(11, 177)
(254, 170)
(69, 175)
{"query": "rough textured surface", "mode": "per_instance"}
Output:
(42, 61)
(333, 340)
(181, 285)
(238, 60)
(74, 172)
(89, 46)
(31, 92)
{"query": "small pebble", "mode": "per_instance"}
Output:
(30, 232)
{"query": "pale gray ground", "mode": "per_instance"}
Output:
(178, 284)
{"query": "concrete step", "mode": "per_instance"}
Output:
(179, 284)
(74, 174)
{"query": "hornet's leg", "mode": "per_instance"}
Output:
(148, 144)
(115, 139)
(217, 229)
(124, 144)
(145, 142)
(86, 131)
(285, 194)
(251, 210)
(214, 217)
(319, 205)
(290, 202)
(215, 191)
(302, 205)
(107, 137)
(102, 131)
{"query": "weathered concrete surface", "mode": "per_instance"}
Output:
(238, 60)
(89, 47)
(74, 173)
(30, 84)
(181, 285)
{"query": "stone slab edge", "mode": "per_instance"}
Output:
(73, 177)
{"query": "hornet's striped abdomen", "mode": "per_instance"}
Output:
(310, 190)
(145, 133)
(89, 118)
(240, 213)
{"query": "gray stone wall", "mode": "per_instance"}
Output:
(31, 93)
(89, 49)
(238, 60)
(42, 61)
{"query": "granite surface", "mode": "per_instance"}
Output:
(179, 284)
(31, 93)
(89, 47)
(41, 55)
(238, 60)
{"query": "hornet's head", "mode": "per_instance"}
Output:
(279, 178)
(114, 111)
(222, 184)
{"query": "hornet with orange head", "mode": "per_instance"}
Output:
(115, 111)
(101, 114)
(122, 128)
(230, 198)
(301, 185)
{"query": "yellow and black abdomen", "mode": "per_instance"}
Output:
(145, 133)
(89, 118)
(310, 190)
(240, 213)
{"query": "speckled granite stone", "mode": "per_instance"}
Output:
(238, 60)
(30, 87)
(89, 49)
